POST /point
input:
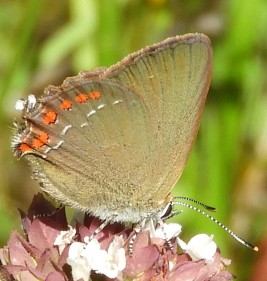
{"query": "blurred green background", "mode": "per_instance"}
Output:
(42, 42)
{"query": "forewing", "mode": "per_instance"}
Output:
(173, 78)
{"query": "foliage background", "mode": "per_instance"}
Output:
(42, 42)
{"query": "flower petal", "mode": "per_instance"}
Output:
(199, 247)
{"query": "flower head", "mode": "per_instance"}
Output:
(50, 249)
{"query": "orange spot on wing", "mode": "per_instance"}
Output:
(50, 117)
(66, 104)
(81, 98)
(37, 143)
(40, 141)
(43, 137)
(95, 95)
(24, 147)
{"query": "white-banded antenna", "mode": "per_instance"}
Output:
(209, 208)
(235, 236)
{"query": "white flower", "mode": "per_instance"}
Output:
(80, 266)
(64, 238)
(167, 231)
(199, 247)
(164, 231)
(84, 257)
(112, 262)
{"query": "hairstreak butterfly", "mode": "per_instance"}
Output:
(114, 141)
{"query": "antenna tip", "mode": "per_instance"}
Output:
(255, 248)
(212, 209)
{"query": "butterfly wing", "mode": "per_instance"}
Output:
(173, 78)
(114, 141)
